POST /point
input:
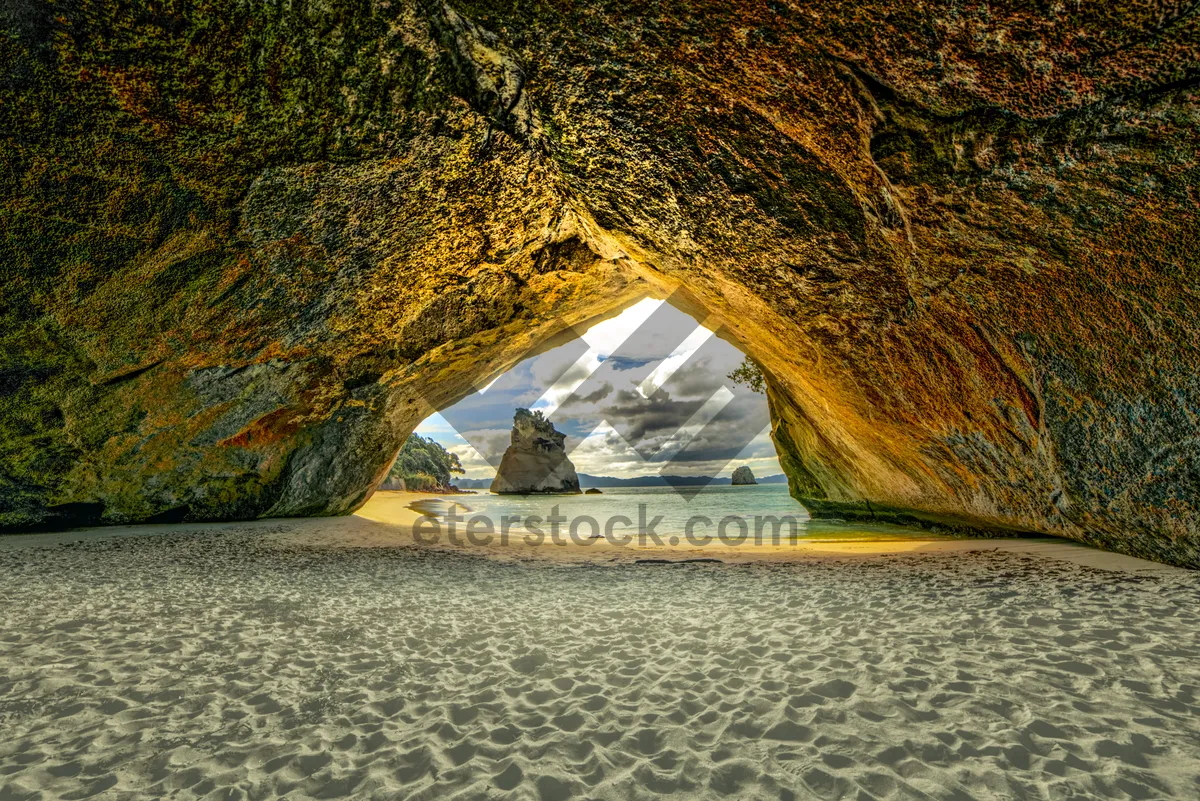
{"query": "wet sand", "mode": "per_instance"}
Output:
(402, 509)
(268, 659)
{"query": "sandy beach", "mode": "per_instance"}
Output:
(332, 658)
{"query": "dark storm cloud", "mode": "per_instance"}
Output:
(697, 378)
(720, 442)
(640, 420)
(598, 395)
(648, 423)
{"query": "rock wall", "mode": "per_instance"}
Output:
(535, 462)
(246, 249)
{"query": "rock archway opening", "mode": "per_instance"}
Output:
(646, 396)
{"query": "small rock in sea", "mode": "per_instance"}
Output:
(743, 475)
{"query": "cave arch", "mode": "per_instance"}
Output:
(230, 297)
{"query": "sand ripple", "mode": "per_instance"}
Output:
(233, 665)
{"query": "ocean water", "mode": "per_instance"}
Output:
(239, 663)
(715, 512)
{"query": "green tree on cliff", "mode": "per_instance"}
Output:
(424, 464)
(749, 374)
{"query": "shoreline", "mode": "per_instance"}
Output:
(388, 518)
(402, 511)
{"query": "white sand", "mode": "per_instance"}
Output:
(250, 661)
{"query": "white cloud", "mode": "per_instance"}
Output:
(607, 336)
(605, 453)
(474, 464)
(436, 427)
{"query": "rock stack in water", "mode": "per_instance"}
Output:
(743, 475)
(535, 461)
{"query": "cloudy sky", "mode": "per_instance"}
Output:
(643, 393)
